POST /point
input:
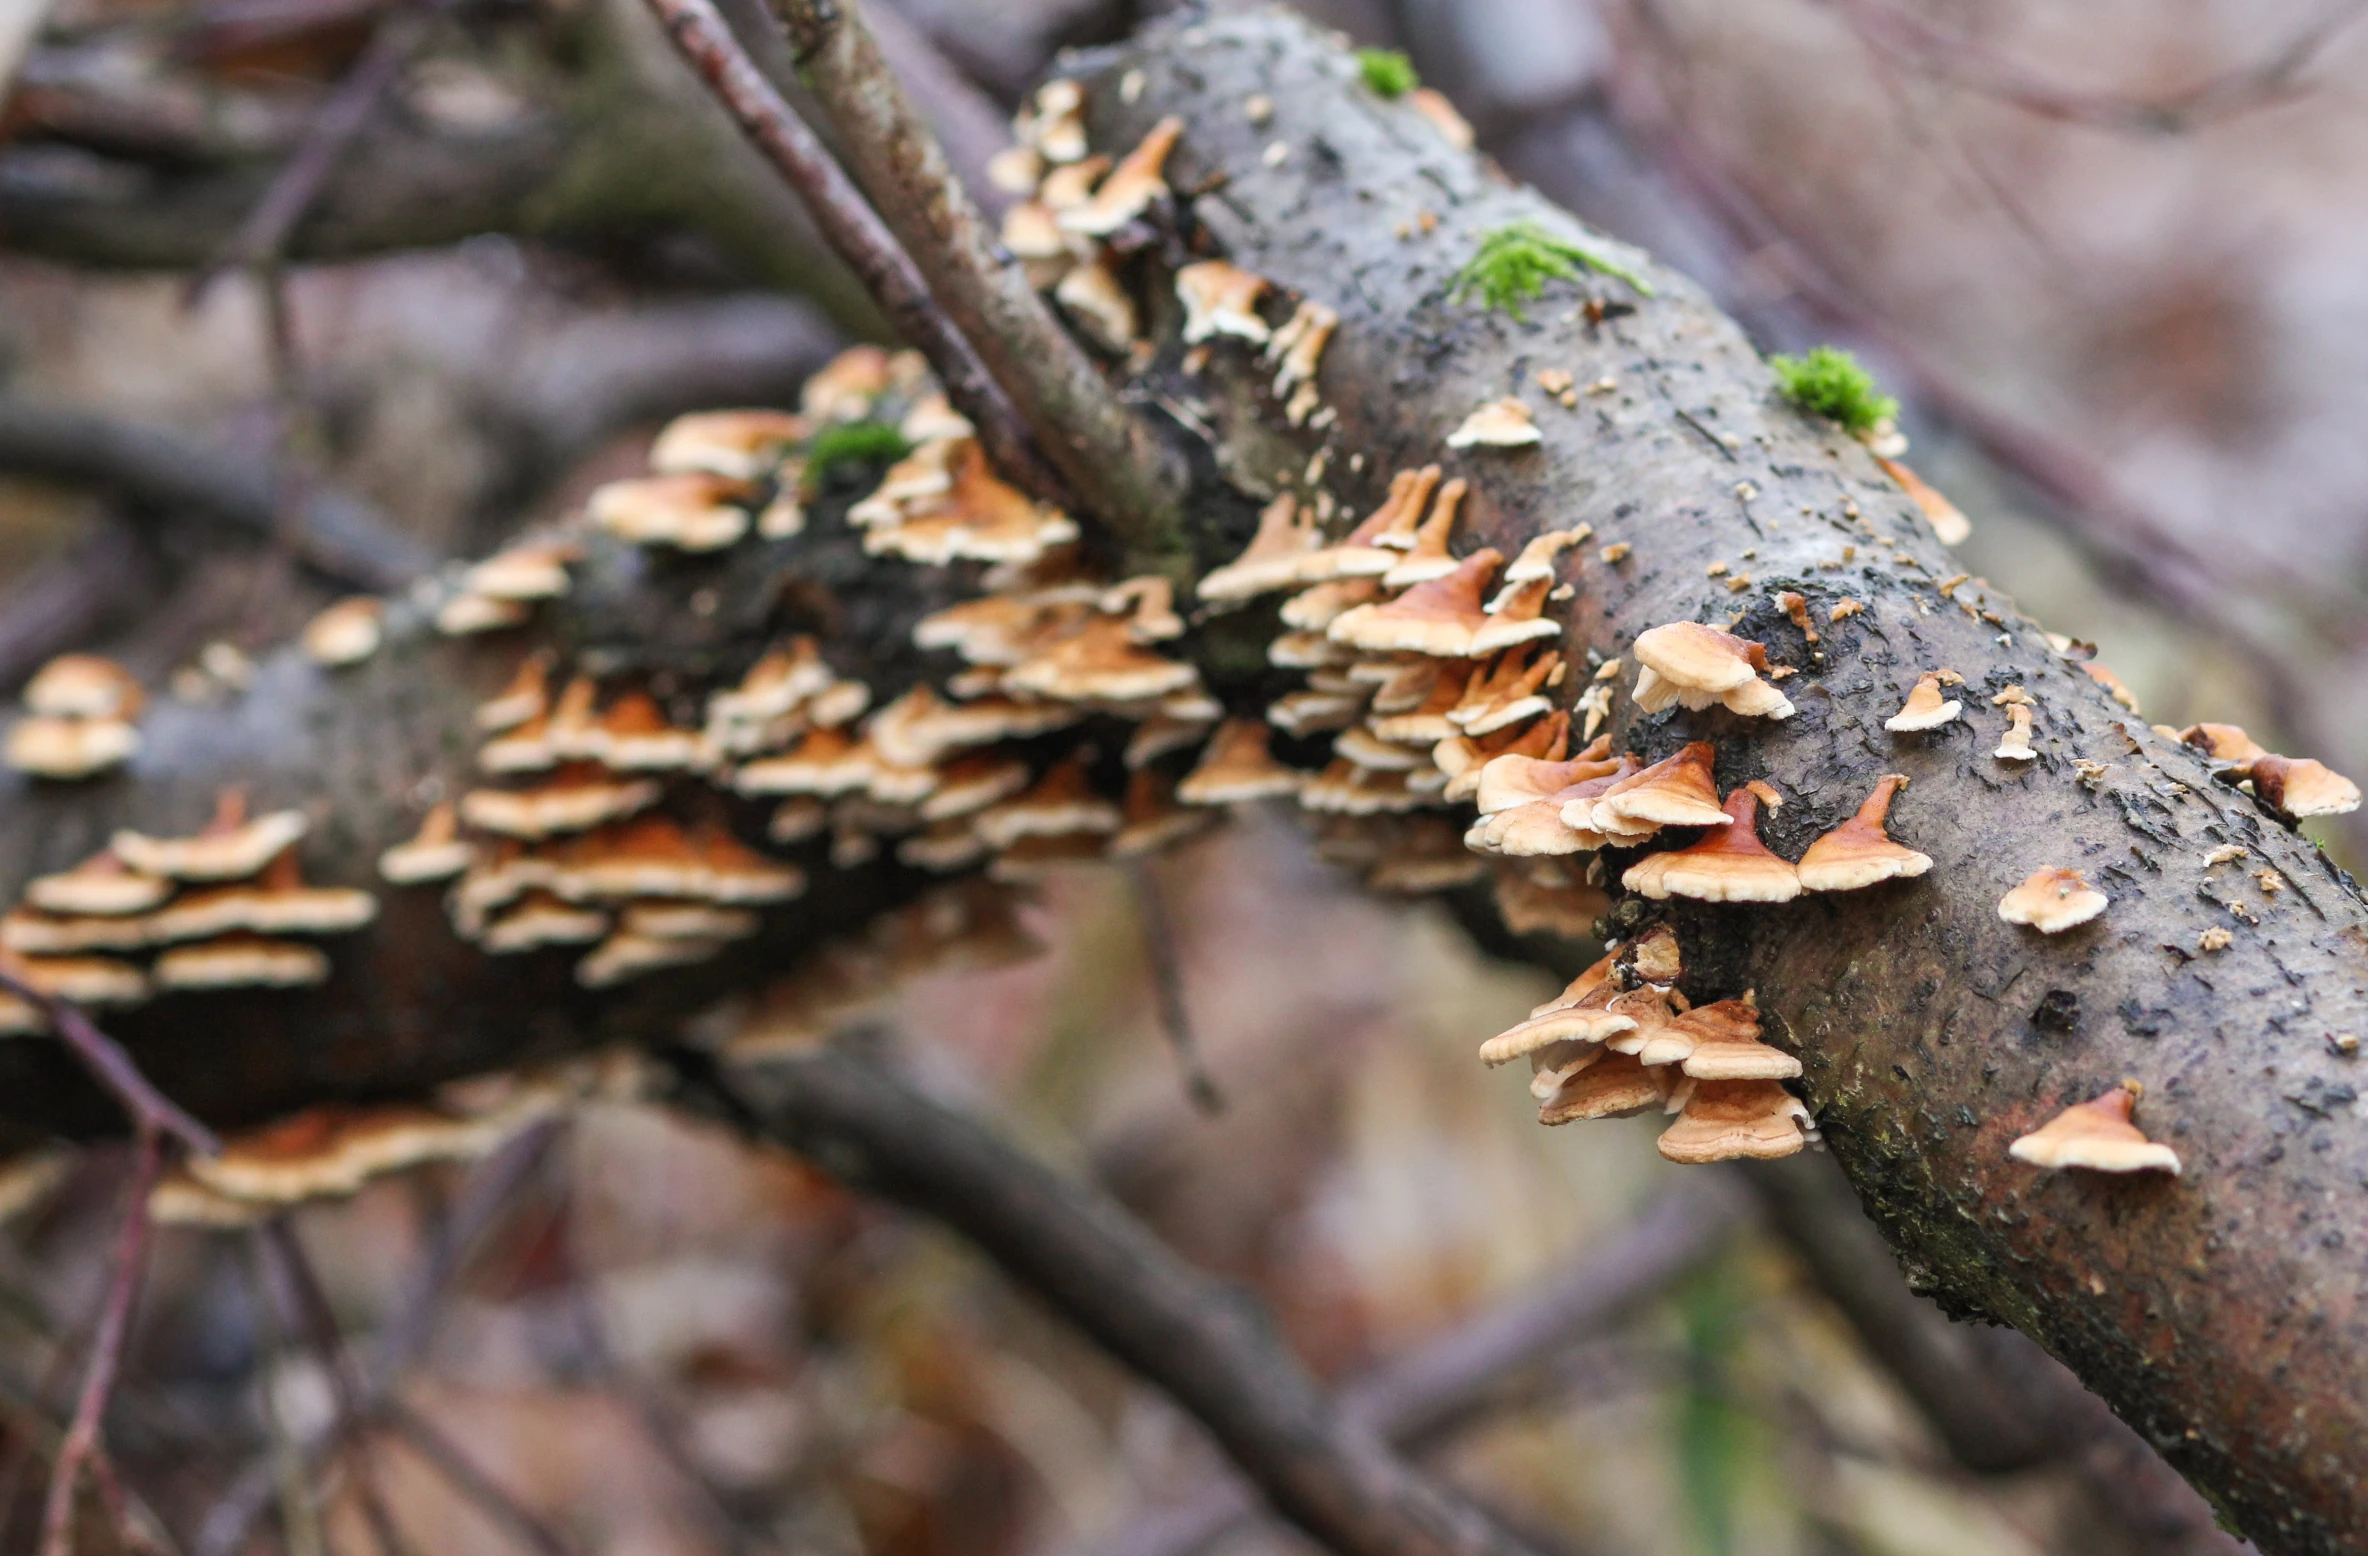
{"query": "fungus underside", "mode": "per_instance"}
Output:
(1513, 264)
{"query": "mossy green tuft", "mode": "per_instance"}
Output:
(1388, 72)
(1514, 263)
(852, 442)
(1829, 382)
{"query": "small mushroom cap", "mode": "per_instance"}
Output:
(69, 748)
(347, 633)
(1220, 298)
(1131, 187)
(1237, 767)
(1430, 556)
(468, 615)
(1949, 524)
(2224, 743)
(1536, 563)
(1725, 1120)
(2098, 1135)
(1616, 1087)
(1723, 1044)
(1693, 657)
(35, 933)
(101, 885)
(84, 686)
(740, 445)
(241, 961)
(845, 386)
(1100, 661)
(623, 956)
(1314, 609)
(1092, 294)
(541, 919)
(1859, 853)
(533, 570)
(527, 697)
(85, 980)
(1062, 803)
(2052, 901)
(1925, 707)
(1677, 791)
(1438, 617)
(2302, 787)
(1587, 1021)
(180, 1200)
(1517, 617)
(972, 783)
(436, 852)
(634, 736)
(2015, 744)
(231, 846)
(824, 762)
(921, 728)
(694, 511)
(1274, 558)
(1729, 864)
(2112, 683)
(576, 798)
(1504, 423)
(1507, 781)
(277, 902)
(333, 1150)
(688, 921)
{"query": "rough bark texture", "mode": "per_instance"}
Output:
(2219, 1312)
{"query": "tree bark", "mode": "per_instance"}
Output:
(2219, 1312)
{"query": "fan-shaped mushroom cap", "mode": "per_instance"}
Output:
(1949, 524)
(2015, 744)
(230, 846)
(1220, 299)
(1099, 662)
(333, 1150)
(1585, 1022)
(84, 686)
(467, 615)
(1724, 1120)
(346, 633)
(1463, 758)
(844, 388)
(2224, 743)
(1615, 1087)
(688, 921)
(1429, 556)
(1511, 693)
(693, 511)
(1504, 423)
(1687, 663)
(1092, 294)
(85, 980)
(1370, 549)
(1722, 1043)
(435, 852)
(1058, 127)
(1131, 187)
(2302, 787)
(1507, 781)
(101, 885)
(1361, 746)
(276, 902)
(533, 570)
(972, 783)
(240, 961)
(69, 748)
(1314, 609)
(942, 847)
(34, 933)
(1517, 616)
(527, 697)
(1274, 557)
(542, 919)
(1426, 722)
(1859, 852)
(1438, 617)
(1537, 561)
(1677, 791)
(1153, 818)
(623, 956)
(2098, 1135)
(739, 445)
(1238, 767)
(1925, 707)
(1062, 803)
(1729, 864)
(2052, 901)
(576, 798)
(921, 728)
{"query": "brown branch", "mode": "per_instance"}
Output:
(82, 1439)
(1420, 1398)
(853, 229)
(1132, 482)
(1160, 952)
(1209, 1347)
(466, 1476)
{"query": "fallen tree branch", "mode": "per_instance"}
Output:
(1208, 1347)
(1130, 478)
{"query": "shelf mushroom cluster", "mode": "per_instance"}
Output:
(221, 909)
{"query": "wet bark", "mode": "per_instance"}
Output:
(2219, 1312)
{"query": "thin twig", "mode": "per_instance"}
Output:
(262, 239)
(350, 1424)
(151, 1110)
(1131, 481)
(1167, 985)
(106, 1354)
(1211, 1348)
(855, 232)
(450, 1461)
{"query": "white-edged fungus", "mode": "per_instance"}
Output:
(693, 511)
(1274, 557)
(68, 748)
(229, 846)
(2301, 787)
(436, 852)
(100, 886)
(1502, 423)
(1696, 666)
(1859, 853)
(1438, 617)
(2052, 901)
(240, 961)
(1925, 708)
(1131, 187)
(84, 686)
(1729, 864)
(346, 633)
(1726, 1120)
(2097, 1135)
(2015, 744)
(1093, 296)
(1221, 298)
(739, 445)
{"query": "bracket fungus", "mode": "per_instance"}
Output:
(1925, 707)
(2052, 901)
(229, 846)
(1860, 853)
(1437, 617)
(1501, 423)
(1137, 181)
(1723, 1120)
(79, 719)
(1677, 791)
(2015, 744)
(346, 633)
(1729, 864)
(1221, 298)
(2097, 1135)
(1695, 666)
(2301, 787)
(739, 445)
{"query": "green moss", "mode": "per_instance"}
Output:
(852, 442)
(1829, 382)
(1513, 265)
(1388, 72)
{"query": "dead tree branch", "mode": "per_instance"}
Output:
(1130, 479)
(1208, 1347)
